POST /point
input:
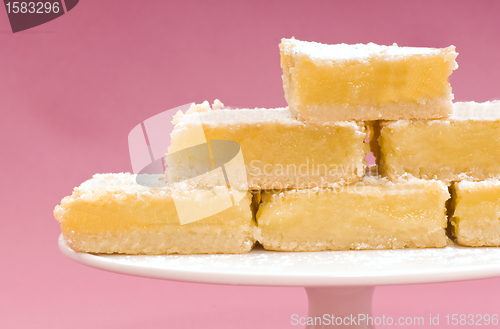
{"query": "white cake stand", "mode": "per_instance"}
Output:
(337, 282)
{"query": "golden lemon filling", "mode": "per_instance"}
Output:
(475, 213)
(465, 146)
(366, 82)
(371, 214)
(112, 213)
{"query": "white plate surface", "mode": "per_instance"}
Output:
(327, 268)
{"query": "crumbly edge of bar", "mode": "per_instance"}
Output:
(218, 115)
(374, 184)
(275, 182)
(120, 186)
(178, 240)
(123, 182)
(446, 176)
(478, 185)
(358, 52)
(485, 233)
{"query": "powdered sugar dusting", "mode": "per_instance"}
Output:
(359, 51)
(122, 182)
(487, 111)
(470, 185)
(235, 116)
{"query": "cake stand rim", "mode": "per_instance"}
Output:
(283, 279)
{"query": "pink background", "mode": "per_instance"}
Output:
(73, 88)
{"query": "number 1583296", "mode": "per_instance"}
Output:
(471, 319)
(32, 7)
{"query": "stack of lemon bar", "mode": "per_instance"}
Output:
(296, 179)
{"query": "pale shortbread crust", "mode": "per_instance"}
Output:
(432, 109)
(168, 240)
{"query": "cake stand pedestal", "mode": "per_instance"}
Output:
(339, 284)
